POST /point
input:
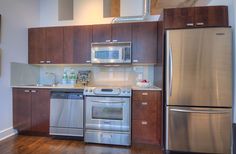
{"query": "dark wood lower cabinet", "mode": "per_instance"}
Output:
(31, 109)
(147, 117)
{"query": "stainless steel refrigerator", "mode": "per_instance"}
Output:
(199, 90)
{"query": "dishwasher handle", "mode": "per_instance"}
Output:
(66, 95)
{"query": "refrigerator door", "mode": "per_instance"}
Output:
(202, 130)
(199, 67)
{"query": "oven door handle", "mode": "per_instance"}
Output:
(108, 101)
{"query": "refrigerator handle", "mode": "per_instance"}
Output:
(200, 111)
(171, 70)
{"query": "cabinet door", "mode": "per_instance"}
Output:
(101, 33)
(22, 110)
(213, 16)
(36, 43)
(146, 127)
(82, 44)
(40, 110)
(54, 45)
(178, 18)
(144, 42)
(122, 32)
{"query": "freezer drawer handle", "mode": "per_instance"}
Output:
(199, 111)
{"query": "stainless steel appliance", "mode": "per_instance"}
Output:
(111, 52)
(108, 115)
(199, 90)
(66, 114)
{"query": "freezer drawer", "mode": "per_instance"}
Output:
(203, 130)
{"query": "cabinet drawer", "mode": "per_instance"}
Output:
(146, 95)
(144, 110)
(144, 131)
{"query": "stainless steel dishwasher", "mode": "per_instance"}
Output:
(66, 114)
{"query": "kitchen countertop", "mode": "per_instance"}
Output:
(152, 88)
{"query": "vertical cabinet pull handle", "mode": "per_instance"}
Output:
(144, 94)
(144, 103)
(144, 122)
(33, 91)
(189, 24)
(26, 91)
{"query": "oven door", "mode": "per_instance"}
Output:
(110, 54)
(108, 113)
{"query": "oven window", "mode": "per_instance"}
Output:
(114, 54)
(111, 113)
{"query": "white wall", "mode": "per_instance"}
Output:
(16, 17)
(86, 12)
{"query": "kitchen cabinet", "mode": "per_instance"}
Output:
(211, 16)
(144, 39)
(77, 44)
(45, 45)
(146, 117)
(112, 32)
(31, 108)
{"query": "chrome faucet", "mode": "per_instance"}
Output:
(54, 78)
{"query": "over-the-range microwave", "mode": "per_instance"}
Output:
(111, 53)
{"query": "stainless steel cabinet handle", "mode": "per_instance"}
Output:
(33, 91)
(144, 122)
(114, 41)
(41, 61)
(171, 70)
(199, 111)
(200, 23)
(108, 101)
(135, 61)
(48, 62)
(144, 94)
(144, 103)
(88, 61)
(27, 91)
(108, 40)
(189, 24)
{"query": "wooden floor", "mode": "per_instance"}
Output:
(46, 145)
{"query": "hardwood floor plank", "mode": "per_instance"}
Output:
(20, 144)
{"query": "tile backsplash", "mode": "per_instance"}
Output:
(102, 75)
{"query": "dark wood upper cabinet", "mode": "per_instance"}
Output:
(144, 40)
(22, 110)
(40, 110)
(179, 18)
(102, 33)
(36, 45)
(31, 109)
(216, 16)
(46, 45)
(122, 32)
(54, 45)
(209, 16)
(77, 44)
(112, 32)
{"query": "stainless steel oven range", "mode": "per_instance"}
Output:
(108, 115)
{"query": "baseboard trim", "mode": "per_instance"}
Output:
(4, 134)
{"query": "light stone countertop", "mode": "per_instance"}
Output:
(152, 88)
